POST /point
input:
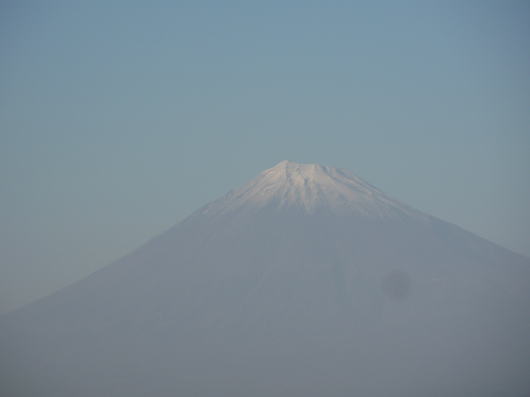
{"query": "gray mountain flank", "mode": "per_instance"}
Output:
(307, 282)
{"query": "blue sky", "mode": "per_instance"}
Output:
(119, 118)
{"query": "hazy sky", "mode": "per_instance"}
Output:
(119, 118)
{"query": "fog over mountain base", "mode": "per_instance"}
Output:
(305, 282)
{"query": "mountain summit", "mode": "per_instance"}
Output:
(305, 282)
(313, 188)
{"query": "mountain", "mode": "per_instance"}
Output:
(307, 282)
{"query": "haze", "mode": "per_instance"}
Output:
(119, 118)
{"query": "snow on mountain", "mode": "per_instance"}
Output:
(311, 187)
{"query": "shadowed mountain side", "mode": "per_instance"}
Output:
(290, 294)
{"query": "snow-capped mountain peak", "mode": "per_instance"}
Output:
(311, 187)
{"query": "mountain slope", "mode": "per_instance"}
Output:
(307, 281)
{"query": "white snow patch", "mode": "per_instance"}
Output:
(311, 187)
